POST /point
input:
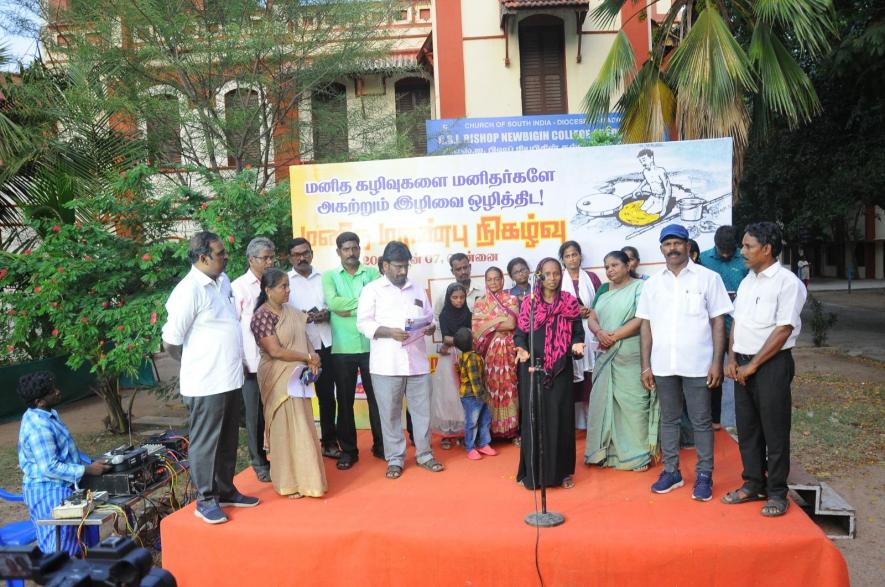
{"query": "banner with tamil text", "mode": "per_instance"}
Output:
(496, 206)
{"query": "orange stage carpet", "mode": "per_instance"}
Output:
(465, 527)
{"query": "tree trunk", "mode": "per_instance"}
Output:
(108, 389)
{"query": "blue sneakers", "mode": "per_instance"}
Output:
(238, 500)
(210, 513)
(668, 481)
(703, 487)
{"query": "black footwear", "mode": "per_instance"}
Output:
(346, 461)
(263, 475)
(775, 507)
(331, 451)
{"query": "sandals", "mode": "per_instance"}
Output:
(775, 507)
(568, 482)
(295, 495)
(394, 472)
(432, 465)
(445, 444)
(742, 495)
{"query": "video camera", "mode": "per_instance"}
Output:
(115, 562)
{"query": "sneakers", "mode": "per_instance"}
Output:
(667, 482)
(238, 500)
(488, 450)
(210, 513)
(703, 487)
(473, 455)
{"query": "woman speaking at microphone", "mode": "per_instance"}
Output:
(558, 336)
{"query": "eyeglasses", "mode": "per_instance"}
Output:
(297, 254)
(266, 258)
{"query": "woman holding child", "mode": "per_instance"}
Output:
(494, 320)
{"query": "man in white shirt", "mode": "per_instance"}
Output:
(682, 344)
(202, 331)
(392, 311)
(306, 294)
(766, 325)
(261, 256)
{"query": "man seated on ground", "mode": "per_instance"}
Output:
(50, 462)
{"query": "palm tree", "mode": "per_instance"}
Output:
(735, 62)
(71, 150)
(12, 140)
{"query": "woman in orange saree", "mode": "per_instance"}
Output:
(494, 321)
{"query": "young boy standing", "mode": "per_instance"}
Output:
(477, 416)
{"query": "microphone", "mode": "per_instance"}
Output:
(539, 276)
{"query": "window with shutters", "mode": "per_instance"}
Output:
(412, 111)
(163, 127)
(542, 65)
(328, 110)
(242, 127)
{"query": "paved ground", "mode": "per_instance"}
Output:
(860, 323)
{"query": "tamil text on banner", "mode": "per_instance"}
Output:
(496, 206)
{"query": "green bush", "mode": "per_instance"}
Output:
(821, 321)
(96, 288)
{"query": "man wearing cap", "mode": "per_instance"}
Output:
(50, 462)
(766, 326)
(682, 343)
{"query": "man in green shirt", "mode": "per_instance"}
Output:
(350, 349)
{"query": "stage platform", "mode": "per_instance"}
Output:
(464, 526)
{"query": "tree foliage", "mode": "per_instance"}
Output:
(71, 149)
(818, 179)
(96, 288)
(225, 79)
(730, 66)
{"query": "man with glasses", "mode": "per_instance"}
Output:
(261, 256)
(203, 333)
(342, 287)
(306, 294)
(395, 315)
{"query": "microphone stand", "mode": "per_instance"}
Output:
(542, 519)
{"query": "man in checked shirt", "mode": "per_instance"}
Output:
(49, 459)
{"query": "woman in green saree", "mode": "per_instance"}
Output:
(623, 418)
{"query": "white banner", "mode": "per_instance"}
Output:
(497, 206)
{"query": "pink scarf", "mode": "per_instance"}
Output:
(557, 318)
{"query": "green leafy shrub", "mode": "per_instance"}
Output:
(821, 321)
(96, 288)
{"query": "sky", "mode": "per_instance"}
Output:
(17, 48)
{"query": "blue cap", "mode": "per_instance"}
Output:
(673, 230)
